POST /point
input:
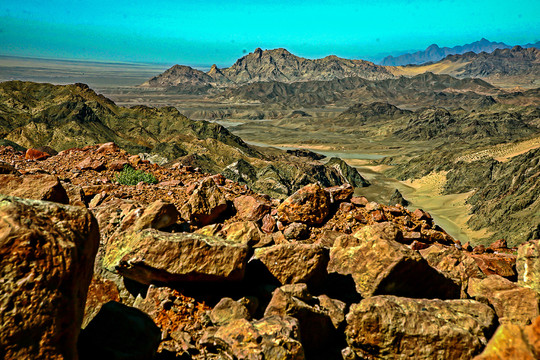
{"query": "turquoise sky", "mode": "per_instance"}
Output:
(205, 32)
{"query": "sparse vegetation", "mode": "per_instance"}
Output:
(130, 176)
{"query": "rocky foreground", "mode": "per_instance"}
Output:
(196, 266)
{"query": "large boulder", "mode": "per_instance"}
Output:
(292, 263)
(119, 332)
(150, 256)
(379, 265)
(309, 205)
(515, 342)
(47, 253)
(528, 265)
(38, 187)
(390, 327)
(454, 264)
(206, 204)
(512, 303)
(271, 338)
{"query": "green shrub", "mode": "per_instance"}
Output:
(130, 176)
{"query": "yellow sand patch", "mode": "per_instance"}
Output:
(502, 152)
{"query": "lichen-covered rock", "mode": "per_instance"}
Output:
(206, 204)
(512, 303)
(271, 338)
(380, 265)
(119, 332)
(242, 232)
(309, 205)
(150, 256)
(47, 255)
(293, 263)
(528, 265)
(515, 342)
(390, 327)
(38, 187)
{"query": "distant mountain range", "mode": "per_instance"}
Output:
(271, 65)
(520, 65)
(434, 53)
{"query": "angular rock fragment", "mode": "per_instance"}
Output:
(47, 255)
(250, 208)
(205, 205)
(389, 327)
(152, 256)
(380, 265)
(157, 215)
(38, 187)
(512, 303)
(294, 262)
(227, 310)
(309, 205)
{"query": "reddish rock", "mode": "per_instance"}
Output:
(512, 303)
(499, 245)
(379, 264)
(134, 160)
(479, 249)
(497, 264)
(296, 231)
(118, 165)
(218, 179)
(268, 224)
(378, 216)
(227, 310)
(34, 154)
(250, 208)
(467, 246)
(359, 201)
(91, 164)
(158, 215)
(205, 205)
(309, 205)
(420, 214)
(107, 147)
(341, 193)
(346, 207)
(171, 183)
(38, 187)
(417, 245)
(334, 308)
(47, 255)
(100, 292)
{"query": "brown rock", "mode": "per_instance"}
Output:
(100, 292)
(497, 264)
(107, 147)
(250, 208)
(34, 154)
(157, 215)
(268, 224)
(514, 342)
(150, 256)
(294, 262)
(359, 201)
(335, 310)
(5, 168)
(242, 232)
(272, 338)
(346, 207)
(528, 265)
(227, 310)
(499, 245)
(296, 231)
(378, 216)
(454, 264)
(380, 265)
(512, 303)
(309, 205)
(91, 164)
(171, 183)
(417, 245)
(205, 205)
(420, 214)
(47, 254)
(316, 327)
(479, 249)
(38, 187)
(134, 160)
(418, 328)
(118, 165)
(341, 193)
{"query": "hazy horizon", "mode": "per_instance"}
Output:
(202, 33)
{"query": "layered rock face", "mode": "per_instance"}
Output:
(196, 266)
